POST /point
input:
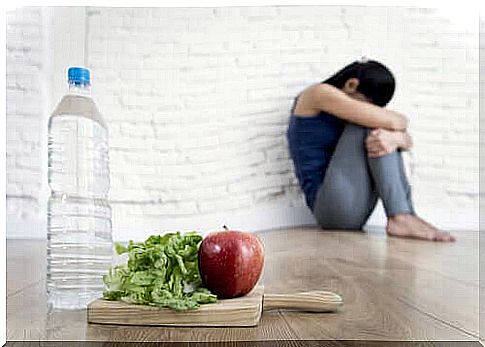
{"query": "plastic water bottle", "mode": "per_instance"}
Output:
(79, 237)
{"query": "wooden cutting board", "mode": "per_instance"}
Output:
(242, 311)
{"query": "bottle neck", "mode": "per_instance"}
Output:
(80, 89)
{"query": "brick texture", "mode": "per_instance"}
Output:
(197, 101)
(24, 112)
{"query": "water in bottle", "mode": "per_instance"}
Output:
(79, 237)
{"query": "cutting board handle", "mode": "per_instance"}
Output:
(314, 301)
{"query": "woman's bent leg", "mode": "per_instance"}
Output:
(353, 182)
(347, 196)
(391, 183)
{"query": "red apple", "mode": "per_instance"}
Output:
(230, 262)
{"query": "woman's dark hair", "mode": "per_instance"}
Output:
(375, 80)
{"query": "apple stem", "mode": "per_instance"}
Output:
(225, 227)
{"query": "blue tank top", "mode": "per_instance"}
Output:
(312, 141)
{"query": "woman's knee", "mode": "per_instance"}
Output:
(357, 133)
(355, 128)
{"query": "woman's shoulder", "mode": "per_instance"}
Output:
(321, 90)
(318, 88)
(306, 99)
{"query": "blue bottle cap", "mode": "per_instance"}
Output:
(78, 76)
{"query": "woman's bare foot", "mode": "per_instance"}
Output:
(411, 226)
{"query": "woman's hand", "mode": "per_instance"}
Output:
(381, 142)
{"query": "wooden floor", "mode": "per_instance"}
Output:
(393, 289)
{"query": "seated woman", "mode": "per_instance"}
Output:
(346, 149)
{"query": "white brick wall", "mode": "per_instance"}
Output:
(197, 103)
(24, 103)
(482, 117)
(482, 172)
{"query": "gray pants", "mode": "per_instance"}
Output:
(353, 182)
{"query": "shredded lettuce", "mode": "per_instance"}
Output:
(162, 271)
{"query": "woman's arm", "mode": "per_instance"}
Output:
(324, 97)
